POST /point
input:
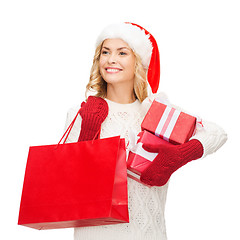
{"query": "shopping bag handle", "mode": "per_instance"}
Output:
(67, 132)
(95, 136)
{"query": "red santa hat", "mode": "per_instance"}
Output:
(141, 42)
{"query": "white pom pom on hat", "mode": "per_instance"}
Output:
(141, 42)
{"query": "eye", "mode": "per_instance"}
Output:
(123, 53)
(104, 52)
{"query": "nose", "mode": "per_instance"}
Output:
(112, 59)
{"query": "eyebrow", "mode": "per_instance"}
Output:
(117, 49)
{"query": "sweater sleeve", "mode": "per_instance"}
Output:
(211, 136)
(74, 134)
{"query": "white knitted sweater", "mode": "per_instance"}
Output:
(146, 205)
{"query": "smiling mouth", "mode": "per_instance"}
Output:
(113, 70)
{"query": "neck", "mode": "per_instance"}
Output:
(120, 94)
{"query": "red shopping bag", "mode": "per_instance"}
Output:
(75, 184)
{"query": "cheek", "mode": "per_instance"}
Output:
(131, 66)
(101, 62)
(101, 65)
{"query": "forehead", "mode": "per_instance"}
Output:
(115, 43)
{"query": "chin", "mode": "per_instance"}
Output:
(113, 79)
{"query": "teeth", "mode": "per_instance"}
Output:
(112, 70)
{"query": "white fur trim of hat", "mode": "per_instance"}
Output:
(136, 38)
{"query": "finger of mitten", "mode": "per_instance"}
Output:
(147, 175)
(151, 147)
(147, 180)
(154, 175)
(82, 104)
(154, 181)
(158, 165)
(96, 105)
(91, 104)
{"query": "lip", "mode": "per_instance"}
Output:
(113, 70)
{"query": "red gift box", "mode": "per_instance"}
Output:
(138, 158)
(75, 184)
(169, 123)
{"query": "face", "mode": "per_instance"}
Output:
(117, 62)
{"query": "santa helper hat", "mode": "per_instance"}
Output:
(141, 42)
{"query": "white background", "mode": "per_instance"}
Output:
(46, 51)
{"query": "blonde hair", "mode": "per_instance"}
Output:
(97, 83)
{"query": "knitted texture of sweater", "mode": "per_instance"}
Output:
(146, 205)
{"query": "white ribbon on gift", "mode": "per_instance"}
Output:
(136, 147)
(167, 122)
(169, 119)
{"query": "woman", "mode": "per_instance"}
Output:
(126, 62)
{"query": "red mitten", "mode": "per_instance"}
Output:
(93, 113)
(169, 159)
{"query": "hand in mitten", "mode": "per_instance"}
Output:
(169, 159)
(93, 113)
